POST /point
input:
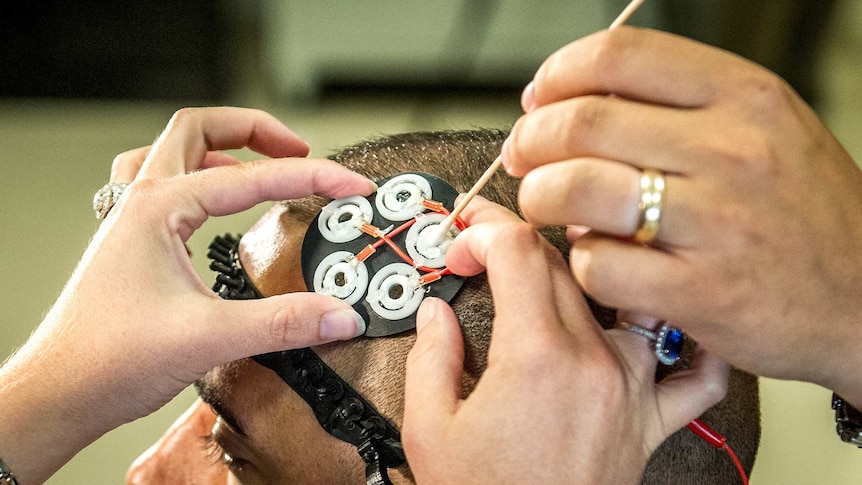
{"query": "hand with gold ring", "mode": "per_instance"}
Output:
(755, 236)
(135, 324)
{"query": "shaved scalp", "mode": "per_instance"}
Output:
(460, 158)
(375, 367)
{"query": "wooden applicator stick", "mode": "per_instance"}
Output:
(626, 13)
(444, 227)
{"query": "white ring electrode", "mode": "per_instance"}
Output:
(401, 197)
(394, 292)
(340, 220)
(420, 237)
(341, 275)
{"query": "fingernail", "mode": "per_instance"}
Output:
(341, 325)
(427, 311)
(372, 188)
(573, 233)
(527, 97)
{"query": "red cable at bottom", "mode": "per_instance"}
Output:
(715, 439)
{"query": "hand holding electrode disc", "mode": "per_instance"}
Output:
(136, 325)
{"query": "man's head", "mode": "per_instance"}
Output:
(271, 434)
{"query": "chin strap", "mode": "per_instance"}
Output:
(339, 409)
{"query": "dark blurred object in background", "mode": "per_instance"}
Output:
(205, 51)
(144, 49)
(782, 35)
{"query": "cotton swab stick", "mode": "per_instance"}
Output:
(437, 237)
(626, 13)
(444, 226)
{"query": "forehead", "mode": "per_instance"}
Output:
(270, 252)
(241, 391)
(289, 445)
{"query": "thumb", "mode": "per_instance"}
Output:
(687, 394)
(432, 389)
(283, 322)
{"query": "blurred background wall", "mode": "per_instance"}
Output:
(82, 81)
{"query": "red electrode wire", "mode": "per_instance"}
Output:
(433, 274)
(713, 438)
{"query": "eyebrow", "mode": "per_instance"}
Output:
(210, 394)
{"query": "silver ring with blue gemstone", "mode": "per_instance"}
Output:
(667, 342)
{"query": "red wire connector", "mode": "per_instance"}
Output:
(366, 252)
(712, 437)
(433, 205)
(433, 276)
(370, 230)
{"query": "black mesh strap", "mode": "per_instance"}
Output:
(339, 409)
(231, 281)
(848, 421)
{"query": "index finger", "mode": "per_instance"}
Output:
(637, 64)
(227, 190)
(192, 132)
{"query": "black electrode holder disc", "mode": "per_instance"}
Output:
(315, 247)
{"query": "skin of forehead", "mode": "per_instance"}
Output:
(289, 445)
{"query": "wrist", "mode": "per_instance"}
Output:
(854, 399)
(41, 431)
(846, 380)
(847, 387)
(838, 367)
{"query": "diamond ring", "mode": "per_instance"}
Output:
(667, 342)
(106, 197)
